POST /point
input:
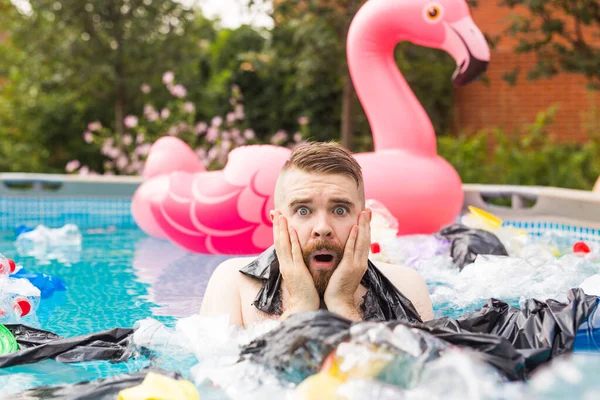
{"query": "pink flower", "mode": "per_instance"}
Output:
(213, 153)
(239, 140)
(139, 138)
(212, 134)
(127, 139)
(173, 131)
(235, 133)
(164, 114)
(216, 121)
(189, 107)
(239, 111)
(178, 91)
(122, 162)
(84, 170)
(230, 118)
(94, 126)
(108, 173)
(201, 127)
(143, 149)
(249, 134)
(131, 121)
(168, 78)
(226, 144)
(201, 152)
(72, 166)
(279, 137)
(297, 137)
(225, 135)
(303, 121)
(145, 88)
(114, 152)
(88, 137)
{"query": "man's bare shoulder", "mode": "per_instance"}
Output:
(411, 284)
(234, 264)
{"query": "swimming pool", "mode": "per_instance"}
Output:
(117, 277)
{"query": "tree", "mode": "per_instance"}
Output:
(318, 43)
(563, 34)
(74, 62)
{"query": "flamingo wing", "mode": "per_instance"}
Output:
(223, 212)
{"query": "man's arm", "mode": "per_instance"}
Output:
(412, 285)
(222, 294)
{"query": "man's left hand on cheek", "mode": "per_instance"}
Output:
(345, 280)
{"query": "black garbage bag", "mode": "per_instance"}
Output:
(100, 389)
(467, 243)
(382, 302)
(540, 330)
(514, 341)
(36, 345)
(299, 346)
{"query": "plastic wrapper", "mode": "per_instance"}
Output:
(468, 243)
(36, 345)
(382, 302)
(47, 244)
(47, 284)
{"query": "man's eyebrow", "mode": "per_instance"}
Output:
(343, 201)
(296, 202)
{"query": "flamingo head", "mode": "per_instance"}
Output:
(442, 24)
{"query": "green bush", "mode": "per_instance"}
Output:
(529, 157)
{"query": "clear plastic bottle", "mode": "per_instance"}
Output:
(18, 299)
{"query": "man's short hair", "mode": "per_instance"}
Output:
(325, 158)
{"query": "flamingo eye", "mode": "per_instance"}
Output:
(433, 13)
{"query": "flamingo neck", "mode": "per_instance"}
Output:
(397, 119)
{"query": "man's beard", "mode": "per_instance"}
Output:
(321, 276)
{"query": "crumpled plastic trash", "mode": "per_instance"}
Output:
(572, 376)
(467, 244)
(46, 244)
(512, 238)
(18, 299)
(591, 285)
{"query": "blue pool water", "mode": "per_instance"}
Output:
(119, 277)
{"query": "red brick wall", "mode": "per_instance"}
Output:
(478, 106)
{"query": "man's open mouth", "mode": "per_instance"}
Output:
(323, 257)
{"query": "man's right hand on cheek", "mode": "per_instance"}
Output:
(301, 291)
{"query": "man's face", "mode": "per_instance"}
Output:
(322, 208)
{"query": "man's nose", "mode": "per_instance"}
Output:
(323, 228)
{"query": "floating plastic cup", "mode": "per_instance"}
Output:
(588, 335)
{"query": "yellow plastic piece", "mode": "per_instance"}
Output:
(486, 217)
(160, 387)
(321, 386)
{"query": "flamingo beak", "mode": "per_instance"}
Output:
(467, 45)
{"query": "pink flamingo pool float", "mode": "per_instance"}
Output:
(227, 212)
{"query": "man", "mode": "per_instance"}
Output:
(321, 233)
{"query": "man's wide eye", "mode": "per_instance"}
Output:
(340, 210)
(303, 211)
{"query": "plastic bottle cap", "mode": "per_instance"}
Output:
(23, 304)
(581, 247)
(12, 265)
(8, 343)
(375, 248)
